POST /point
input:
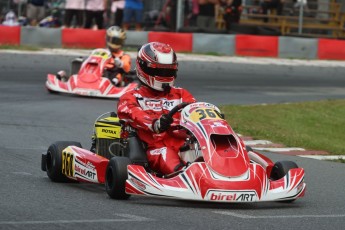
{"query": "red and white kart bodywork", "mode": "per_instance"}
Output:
(221, 168)
(89, 80)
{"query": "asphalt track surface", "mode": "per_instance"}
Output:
(31, 119)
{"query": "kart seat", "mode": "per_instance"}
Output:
(137, 153)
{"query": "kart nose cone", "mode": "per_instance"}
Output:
(88, 77)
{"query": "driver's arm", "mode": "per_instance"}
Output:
(129, 109)
(126, 60)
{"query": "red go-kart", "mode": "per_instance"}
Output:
(220, 169)
(91, 77)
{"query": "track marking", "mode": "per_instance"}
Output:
(277, 217)
(125, 218)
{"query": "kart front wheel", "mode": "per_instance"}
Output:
(53, 160)
(281, 168)
(115, 178)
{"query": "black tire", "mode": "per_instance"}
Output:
(54, 160)
(281, 168)
(116, 176)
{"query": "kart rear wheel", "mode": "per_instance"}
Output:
(281, 168)
(116, 176)
(54, 160)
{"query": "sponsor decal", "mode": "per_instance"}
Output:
(235, 196)
(153, 103)
(157, 105)
(202, 104)
(168, 104)
(218, 124)
(85, 172)
(67, 163)
(161, 151)
(90, 165)
(138, 183)
(123, 103)
(109, 131)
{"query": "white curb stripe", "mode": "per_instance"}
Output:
(323, 157)
(257, 142)
(279, 149)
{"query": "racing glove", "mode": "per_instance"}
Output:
(162, 124)
(118, 62)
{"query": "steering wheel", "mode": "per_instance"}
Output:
(177, 108)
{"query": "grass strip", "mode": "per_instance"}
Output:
(21, 47)
(318, 125)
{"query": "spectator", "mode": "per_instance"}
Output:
(117, 10)
(35, 11)
(194, 5)
(11, 19)
(74, 9)
(133, 9)
(272, 4)
(232, 12)
(95, 9)
(207, 14)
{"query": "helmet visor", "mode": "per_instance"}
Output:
(161, 72)
(115, 40)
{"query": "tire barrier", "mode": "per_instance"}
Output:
(331, 49)
(256, 46)
(193, 41)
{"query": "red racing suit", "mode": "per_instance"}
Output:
(141, 107)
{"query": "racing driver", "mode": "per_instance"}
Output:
(145, 108)
(115, 38)
(121, 62)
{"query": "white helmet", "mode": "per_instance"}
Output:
(156, 66)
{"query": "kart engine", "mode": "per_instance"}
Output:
(108, 137)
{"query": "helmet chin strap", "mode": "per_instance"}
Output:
(166, 87)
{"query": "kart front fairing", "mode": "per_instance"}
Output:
(221, 148)
(223, 171)
(89, 81)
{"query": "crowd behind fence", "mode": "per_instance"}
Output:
(312, 18)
